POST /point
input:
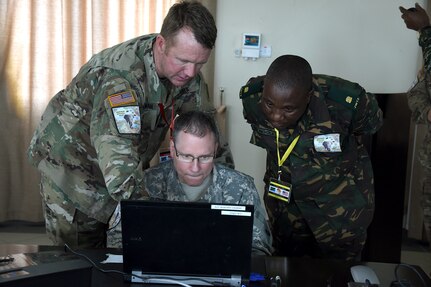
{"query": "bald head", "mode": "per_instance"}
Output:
(286, 91)
(290, 71)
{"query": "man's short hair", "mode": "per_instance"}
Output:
(194, 16)
(196, 123)
(289, 71)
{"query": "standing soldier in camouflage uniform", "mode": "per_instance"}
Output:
(419, 101)
(98, 135)
(319, 180)
(191, 175)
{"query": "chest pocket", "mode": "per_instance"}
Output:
(310, 165)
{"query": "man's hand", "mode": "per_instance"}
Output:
(415, 18)
(429, 115)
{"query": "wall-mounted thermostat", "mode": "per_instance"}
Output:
(250, 45)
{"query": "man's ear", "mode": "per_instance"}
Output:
(160, 43)
(172, 147)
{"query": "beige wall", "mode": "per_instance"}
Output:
(361, 40)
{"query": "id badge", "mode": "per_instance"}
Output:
(279, 189)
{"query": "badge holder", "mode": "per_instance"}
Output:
(279, 189)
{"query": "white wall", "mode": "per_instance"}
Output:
(361, 40)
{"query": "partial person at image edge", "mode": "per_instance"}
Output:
(419, 101)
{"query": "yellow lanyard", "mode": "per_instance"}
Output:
(286, 154)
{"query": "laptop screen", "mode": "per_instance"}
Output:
(186, 238)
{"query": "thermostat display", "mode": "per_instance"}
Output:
(252, 40)
(250, 45)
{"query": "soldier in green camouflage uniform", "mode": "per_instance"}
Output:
(188, 177)
(319, 191)
(98, 135)
(419, 101)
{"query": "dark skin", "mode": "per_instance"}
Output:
(284, 107)
(415, 18)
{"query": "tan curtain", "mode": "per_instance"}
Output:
(43, 43)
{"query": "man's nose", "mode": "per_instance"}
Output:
(191, 70)
(276, 115)
(195, 165)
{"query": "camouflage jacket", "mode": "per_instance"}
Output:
(425, 43)
(98, 134)
(419, 97)
(228, 186)
(339, 184)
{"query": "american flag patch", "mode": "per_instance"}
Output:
(121, 99)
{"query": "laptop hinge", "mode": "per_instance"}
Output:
(139, 277)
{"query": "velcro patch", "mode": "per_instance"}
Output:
(122, 98)
(127, 119)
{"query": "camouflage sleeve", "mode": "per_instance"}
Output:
(262, 238)
(113, 233)
(119, 162)
(202, 101)
(153, 180)
(157, 181)
(250, 95)
(425, 43)
(368, 117)
(118, 154)
(419, 101)
(418, 97)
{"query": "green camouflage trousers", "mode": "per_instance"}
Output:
(426, 202)
(67, 225)
(292, 236)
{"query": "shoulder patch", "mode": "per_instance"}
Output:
(127, 119)
(250, 89)
(341, 91)
(121, 99)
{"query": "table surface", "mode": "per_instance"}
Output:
(292, 271)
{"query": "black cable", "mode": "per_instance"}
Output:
(155, 279)
(92, 262)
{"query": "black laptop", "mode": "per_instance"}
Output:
(192, 242)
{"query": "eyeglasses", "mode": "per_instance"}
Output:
(190, 158)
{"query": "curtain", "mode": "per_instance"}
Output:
(43, 43)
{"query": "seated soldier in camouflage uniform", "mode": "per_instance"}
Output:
(319, 191)
(98, 134)
(192, 175)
